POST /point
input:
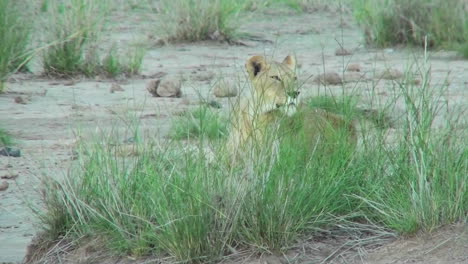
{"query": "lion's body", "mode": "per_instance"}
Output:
(273, 108)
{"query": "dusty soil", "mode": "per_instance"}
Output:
(45, 124)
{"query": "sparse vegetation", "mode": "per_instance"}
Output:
(202, 122)
(114, 64)
(394, 22)
(5, 138)
(424, 175)
(74, 36)
(14, 38)
(196, 20)
(74, 28)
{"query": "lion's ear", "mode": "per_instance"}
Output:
(255, 65)
(290, 61)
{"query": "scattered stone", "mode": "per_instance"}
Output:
(10, 152)
(20, 100)
(10, 176)
(170, 87)
(353, 67)
(152, 87)
(116, 88)
(3, 186)
(167, 87)
(342, 52)
(224, 88)
(391, 74)
(332, 78)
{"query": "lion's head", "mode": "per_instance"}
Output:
(274, 84)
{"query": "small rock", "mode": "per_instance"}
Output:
(170, 87)
(353, 67)
(329, 78)
(167, 87)
(20, 100)
(10, 176)
(10, 152)
(342, 52)
(391, 74)
(3, 186)
(116, 88)
(152, 87)
(224, 88)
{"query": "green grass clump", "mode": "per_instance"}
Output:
(14, 38)
(73, 31)
(196, 20)
(419, 182)
(74, 37)
(168, 203)
(391, 22)
(5, 138)
(202, 122)
(114, 65)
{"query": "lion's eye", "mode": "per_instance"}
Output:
(276, 78)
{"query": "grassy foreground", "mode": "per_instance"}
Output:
(187, 206)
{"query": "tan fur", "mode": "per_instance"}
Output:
(274, 97)
(273, 86)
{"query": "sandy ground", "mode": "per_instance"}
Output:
(45, 126)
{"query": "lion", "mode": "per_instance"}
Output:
(274, 107)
